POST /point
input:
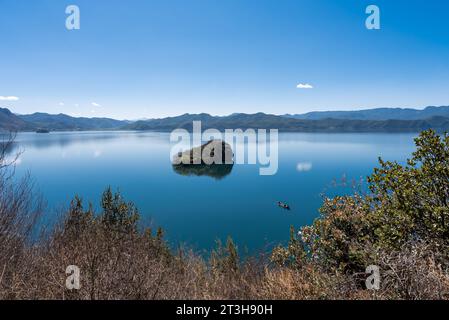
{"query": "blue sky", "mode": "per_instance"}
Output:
(148, 58)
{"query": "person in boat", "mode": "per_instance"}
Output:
(283, 205)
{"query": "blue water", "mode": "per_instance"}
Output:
(198, 210)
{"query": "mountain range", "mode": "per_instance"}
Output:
(376, 114)
(64, 122)
(373, 120)
(287, 124)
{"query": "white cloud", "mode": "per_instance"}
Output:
(304, 166)
(304, 86)
(61, 104)
(8, 98)
(96, 104)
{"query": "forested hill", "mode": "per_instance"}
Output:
(61, 122)
(265, 121)
(377, 114)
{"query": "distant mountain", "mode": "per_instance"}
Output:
(433, 117)
(65, 122)
(266, 121)
(11, 122)
(167, 124)
(376, 114)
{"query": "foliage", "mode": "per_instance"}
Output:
(406, 203)
(225, 259)
(118, 215)
(78, 219)
(340, 237)
(291, 256)
(411, 202)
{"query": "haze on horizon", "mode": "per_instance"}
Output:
(151, 59)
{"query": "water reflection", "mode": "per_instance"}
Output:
(64, 140)
(304, 166)
(216, 171)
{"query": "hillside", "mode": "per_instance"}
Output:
(265, 121)
(376, 114)
(11, 122)
(65, 122)
(433, 117)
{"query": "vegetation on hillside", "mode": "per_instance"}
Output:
(377, 120)
(288, 124)
(401, 226)
(377, 114)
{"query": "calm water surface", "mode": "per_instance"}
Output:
(197, 210)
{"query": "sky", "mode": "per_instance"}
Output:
(155, 58)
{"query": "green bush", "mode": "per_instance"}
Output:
(411, 202)
(118, 215)
(406, 203)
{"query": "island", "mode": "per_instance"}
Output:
(213, 159)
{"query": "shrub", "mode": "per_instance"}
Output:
(118, 215)
(341, 238)
(412, 201)
(405, 203)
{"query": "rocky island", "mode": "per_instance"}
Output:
(214, 159)
(214, 152)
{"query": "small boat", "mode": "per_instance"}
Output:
(283, 205)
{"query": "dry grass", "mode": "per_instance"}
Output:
(141, 267)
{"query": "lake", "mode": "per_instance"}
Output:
(197, 210)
